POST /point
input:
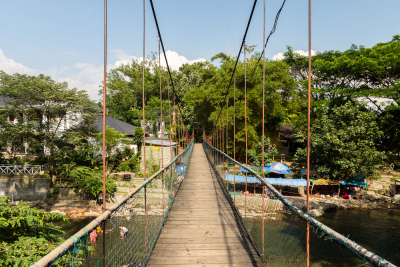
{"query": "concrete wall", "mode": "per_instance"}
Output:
(25, 187)
(153, 155)
(29, 188)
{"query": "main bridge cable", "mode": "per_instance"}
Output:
(272, 32)
(237, 60)
(165, 55)
(263, 51)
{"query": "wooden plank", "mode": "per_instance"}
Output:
(201, 228)
(204, 259)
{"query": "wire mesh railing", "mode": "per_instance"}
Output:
(277, 227)
(126, 233)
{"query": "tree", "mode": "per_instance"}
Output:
(371, 74)
(343, 142)
(280, 94)
(138, 138)
(88, 181)
(114, 139)
(44, 107)
(27, 234)
(255, 154)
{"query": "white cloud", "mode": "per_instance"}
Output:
(280, 56)
(89, 76)
(175, 61)
(10, 66)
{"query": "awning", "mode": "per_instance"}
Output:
(276, 181)
(304, 172)
(325, 181)
(354, 182)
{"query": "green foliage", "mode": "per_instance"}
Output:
(39, 108)
(342, 142)
(114, 139)
(131, 164)
(88, 181)
(138, 138)
(255, 155)
(27, 234)
(371, 74)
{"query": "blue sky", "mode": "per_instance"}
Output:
(64, 39)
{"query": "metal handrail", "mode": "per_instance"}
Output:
(70, 242)
(369, 256)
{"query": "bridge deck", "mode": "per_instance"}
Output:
(201, 229)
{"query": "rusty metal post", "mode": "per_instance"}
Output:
(161, 110)
(308, 129)
(170, 128)
(245, 125)
(162, 186)
(104, 105)
(104, 129)
(227, 122)
(145, 218)
(144, 123)
(263, 197)
(234, 136)
(263, 103)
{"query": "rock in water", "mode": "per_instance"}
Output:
(316, 213)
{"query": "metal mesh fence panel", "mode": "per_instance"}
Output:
(277, 228)
(126, 232)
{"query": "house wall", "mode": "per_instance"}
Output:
(283, 148)
(153, 155)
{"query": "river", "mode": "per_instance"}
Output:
(375, 230)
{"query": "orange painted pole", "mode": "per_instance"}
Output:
(234, 137)
(308, 129)
(245, 125)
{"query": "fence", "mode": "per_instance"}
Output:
(22, 169)
(105, 242)
(278, 228)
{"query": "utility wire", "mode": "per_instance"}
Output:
(237, 60)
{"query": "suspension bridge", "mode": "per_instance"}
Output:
(184, 215)
(189, 213)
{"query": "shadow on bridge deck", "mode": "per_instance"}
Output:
(202, 228)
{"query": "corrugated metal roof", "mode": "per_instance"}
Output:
(116, 124)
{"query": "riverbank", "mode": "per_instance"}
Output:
(318, 206)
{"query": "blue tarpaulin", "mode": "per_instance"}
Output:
(244, 170)
(278, 181)
(277, 168)
(181, 169)
(354, 182)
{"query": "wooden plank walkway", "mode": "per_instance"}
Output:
(201, 229)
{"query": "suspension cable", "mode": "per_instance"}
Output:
(237, 60)
(263, 51)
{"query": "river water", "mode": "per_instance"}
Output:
(375, 230)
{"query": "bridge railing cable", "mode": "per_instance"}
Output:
(132, 225)
(277, 225)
